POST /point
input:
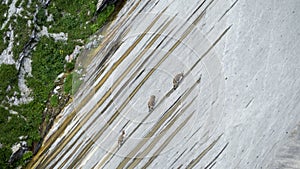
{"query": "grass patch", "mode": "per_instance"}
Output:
(27, 156)
(54, 100)
(68, 84)
(72, 83)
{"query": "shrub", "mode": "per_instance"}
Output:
(9, 77)
(5, 153)
(70, 66)
(54, 100)
(27, 156)
(68, 84)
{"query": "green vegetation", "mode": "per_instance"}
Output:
(22, 35)
(3, 45)
(78, 18)
(78, 21)
(47, 63)
(70, 66)
(9, 82)
(11, 127)
(3, 9)
(102, 17)
(5, 153)
(68, 84)
(72, 83)
(54, 100)
(27, 156)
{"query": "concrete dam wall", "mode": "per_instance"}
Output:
(235, 106)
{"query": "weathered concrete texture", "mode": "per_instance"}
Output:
(236, 107)
(288, 155)
(261, 63)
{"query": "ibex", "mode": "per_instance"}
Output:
(121, 138)
(151, 103)
(176, 80)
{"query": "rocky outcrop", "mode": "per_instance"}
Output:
(18, 150)
(102, 4)
(45, 3)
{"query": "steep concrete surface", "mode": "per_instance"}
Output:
(236, 107)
